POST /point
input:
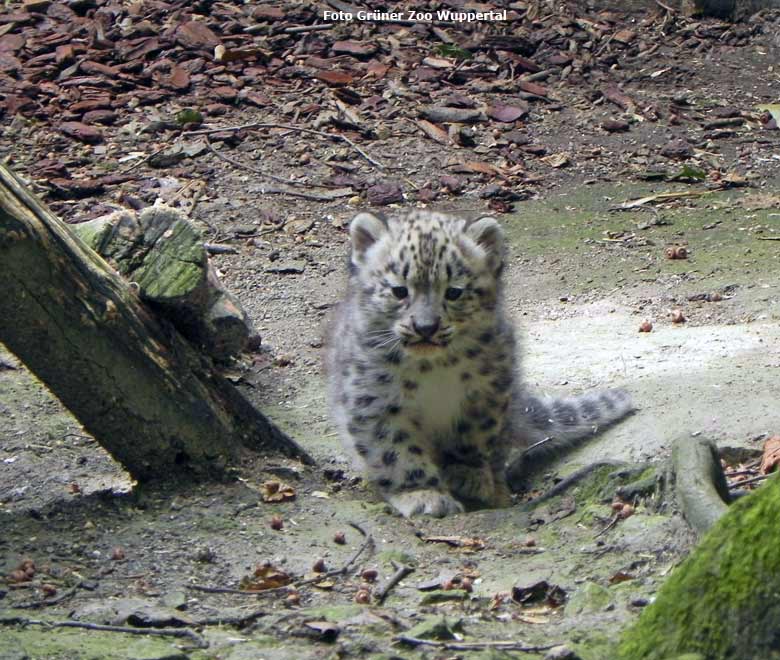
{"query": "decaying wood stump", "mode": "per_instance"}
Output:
(162, 253)
(149, 397)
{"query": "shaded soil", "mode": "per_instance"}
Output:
(584, 273)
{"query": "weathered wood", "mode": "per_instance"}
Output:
(163, 253)
(149, 398)
(699, 482)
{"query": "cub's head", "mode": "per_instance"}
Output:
(423, 279)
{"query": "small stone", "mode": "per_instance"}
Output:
(370, 574)
(386, 193)
(561, 652)
(319, 566)
(339, 538)
(677, 149)
(615, 125)
(287, 267)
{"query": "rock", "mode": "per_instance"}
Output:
(615, 125)
(561, 652)
(168, 158)
(677, 149)
(458, 115)
(437, 629)
(517, 137)
(287, 267)
(386, 193)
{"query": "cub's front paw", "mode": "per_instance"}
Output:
(425, 502)
(470, 483)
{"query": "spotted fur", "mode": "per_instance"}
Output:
(422, 373)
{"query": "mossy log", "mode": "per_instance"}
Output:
(162, 252)
(147, 396)
(723, 602)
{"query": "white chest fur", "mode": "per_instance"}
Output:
(438, 399)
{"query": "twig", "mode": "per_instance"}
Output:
(768, 238)
(508, 645)
(252, 168)
(401, 571)
(270, 190)
(155, 632)
(237, 621)
(300, 129)
(298, 29)
(665, 6)
(212, 248)
(611, 524)
(747, 482)
(342, 570)
(140, 162)
(33, 605)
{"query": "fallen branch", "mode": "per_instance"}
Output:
(300, 129)
(508, 645)
(609, 526)
(319, 197)
(154, 632)
(401, 571)
(238, 621)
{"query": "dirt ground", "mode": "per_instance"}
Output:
(588, 265)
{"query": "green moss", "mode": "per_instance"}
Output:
(588, 598)
(571, 227)
(722, 602)
(389, 556)
(71, 644)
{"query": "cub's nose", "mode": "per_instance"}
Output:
(427, 328)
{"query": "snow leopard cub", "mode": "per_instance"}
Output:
(422, 375)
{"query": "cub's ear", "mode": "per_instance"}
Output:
(365, 230)
(487, 233)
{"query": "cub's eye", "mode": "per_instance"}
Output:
(400, 292)
(452, 293)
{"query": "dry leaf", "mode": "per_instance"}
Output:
(771, 457)
(335, 77)
(275, 491)
(266, 576)
(507, 113)
(620, 576)
(556, 160)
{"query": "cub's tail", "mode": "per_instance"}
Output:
(555, 425)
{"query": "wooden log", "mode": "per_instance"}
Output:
(163, 253)
(145, 394)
